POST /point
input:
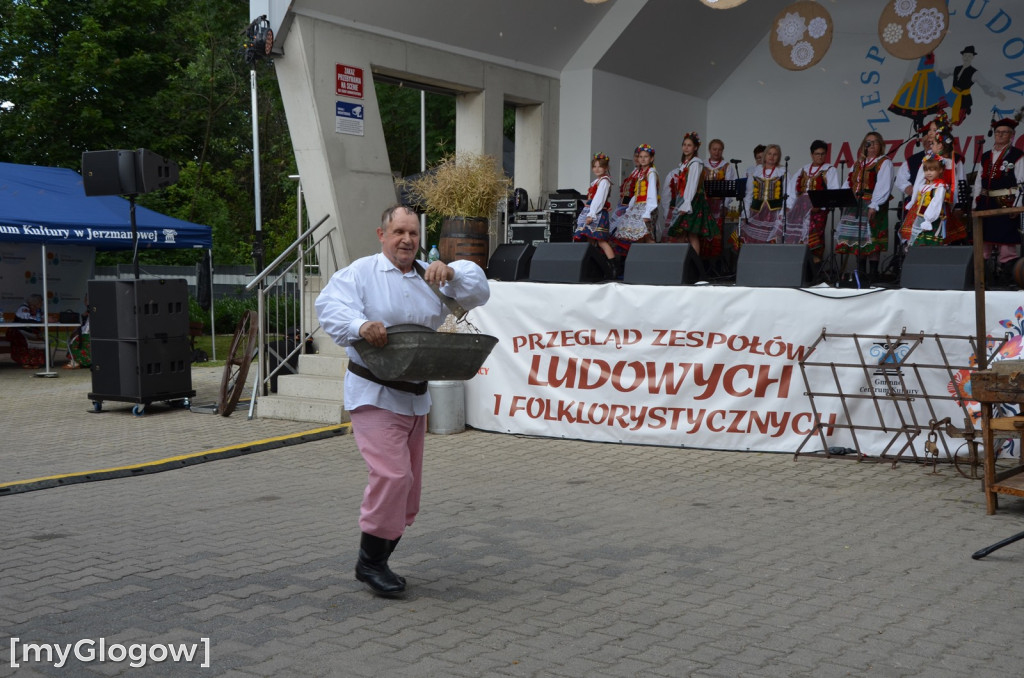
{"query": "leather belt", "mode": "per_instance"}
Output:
(414, 387)
(1000, 192)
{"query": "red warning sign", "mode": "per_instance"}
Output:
(349, 81)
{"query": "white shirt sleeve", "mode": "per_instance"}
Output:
(934, 209)
(652, 192)
(883, 185)
(832, 178)
(600, 196)
(903, 180)
(693, 174)
(791, 187)
(748, 197)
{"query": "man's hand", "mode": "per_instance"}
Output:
(438, 273)
(374, 332)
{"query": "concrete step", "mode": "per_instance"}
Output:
(311, 386)
(301, 409)
(324, 345)
(323, 365)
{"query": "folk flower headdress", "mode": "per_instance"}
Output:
(645, 147)
(601, 156)
(692, 136)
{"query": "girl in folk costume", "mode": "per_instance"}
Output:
(864, 229)
(763, 201)
(639, 221)
(925, 223)
(692, 220)
(626, 190)
(952, 175)
(805, 223)
(717, 169)
(593, 223)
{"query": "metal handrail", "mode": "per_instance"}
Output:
(273, 282)
(281, 257)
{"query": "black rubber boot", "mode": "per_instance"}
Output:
(872, 273)
(372, 567)
(392, 545)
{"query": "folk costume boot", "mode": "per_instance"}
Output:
(392, 545)
(873, 273)
(372, 567)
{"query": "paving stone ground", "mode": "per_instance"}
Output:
(531, 557)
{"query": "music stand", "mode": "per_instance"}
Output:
(830, 199)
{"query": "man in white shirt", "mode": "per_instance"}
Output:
(389, 418)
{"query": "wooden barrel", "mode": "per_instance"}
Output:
(465, 238)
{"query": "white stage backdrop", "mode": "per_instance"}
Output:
(717, 367)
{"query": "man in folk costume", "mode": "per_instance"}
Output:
(998, 185)
(966, 76)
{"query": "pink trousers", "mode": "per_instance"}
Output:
(392, 447)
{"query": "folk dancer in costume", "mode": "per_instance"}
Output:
(389, 418)
(927, 211)
(864, 229)
(804, 222)
(627, 188)
(639, 222)
(593, 224)
(966, 76)
(717, 169)
(998, 185)
(692, 220)
(952, 176)
(922, 95)
(763, 201)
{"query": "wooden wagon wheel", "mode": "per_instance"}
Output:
(236, 369)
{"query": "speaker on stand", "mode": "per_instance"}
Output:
(767, 265)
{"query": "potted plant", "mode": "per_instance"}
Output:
(464, 191)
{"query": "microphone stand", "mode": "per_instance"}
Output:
(785, 200)
(743, 205)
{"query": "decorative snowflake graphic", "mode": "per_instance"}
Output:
(817, 27)
(905, 7)
(791, 28)
(926, 26)
(802, 54)
(892, 33)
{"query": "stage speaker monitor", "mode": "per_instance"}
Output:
(510, 262)
(761, 265)
(566, 262)
(153, 172)
(938, 268)
(662, 264)
(108, 172)
(121, 172)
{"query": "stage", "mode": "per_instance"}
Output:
(718, 367)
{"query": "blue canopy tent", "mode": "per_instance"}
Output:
(48, 205)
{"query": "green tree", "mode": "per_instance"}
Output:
(79, 75)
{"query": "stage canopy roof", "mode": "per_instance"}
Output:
(48, 205)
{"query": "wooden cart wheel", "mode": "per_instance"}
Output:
(236, 369)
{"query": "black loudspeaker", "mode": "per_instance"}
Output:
(662, 264)
(510, 262)
(121, 172)
(561, 226)
(774, 266)
(938, 268)
(566, 262)
(108, 172)
(146, 369)
(153, 172)
(138, 309)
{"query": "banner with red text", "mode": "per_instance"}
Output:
(718, 367)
